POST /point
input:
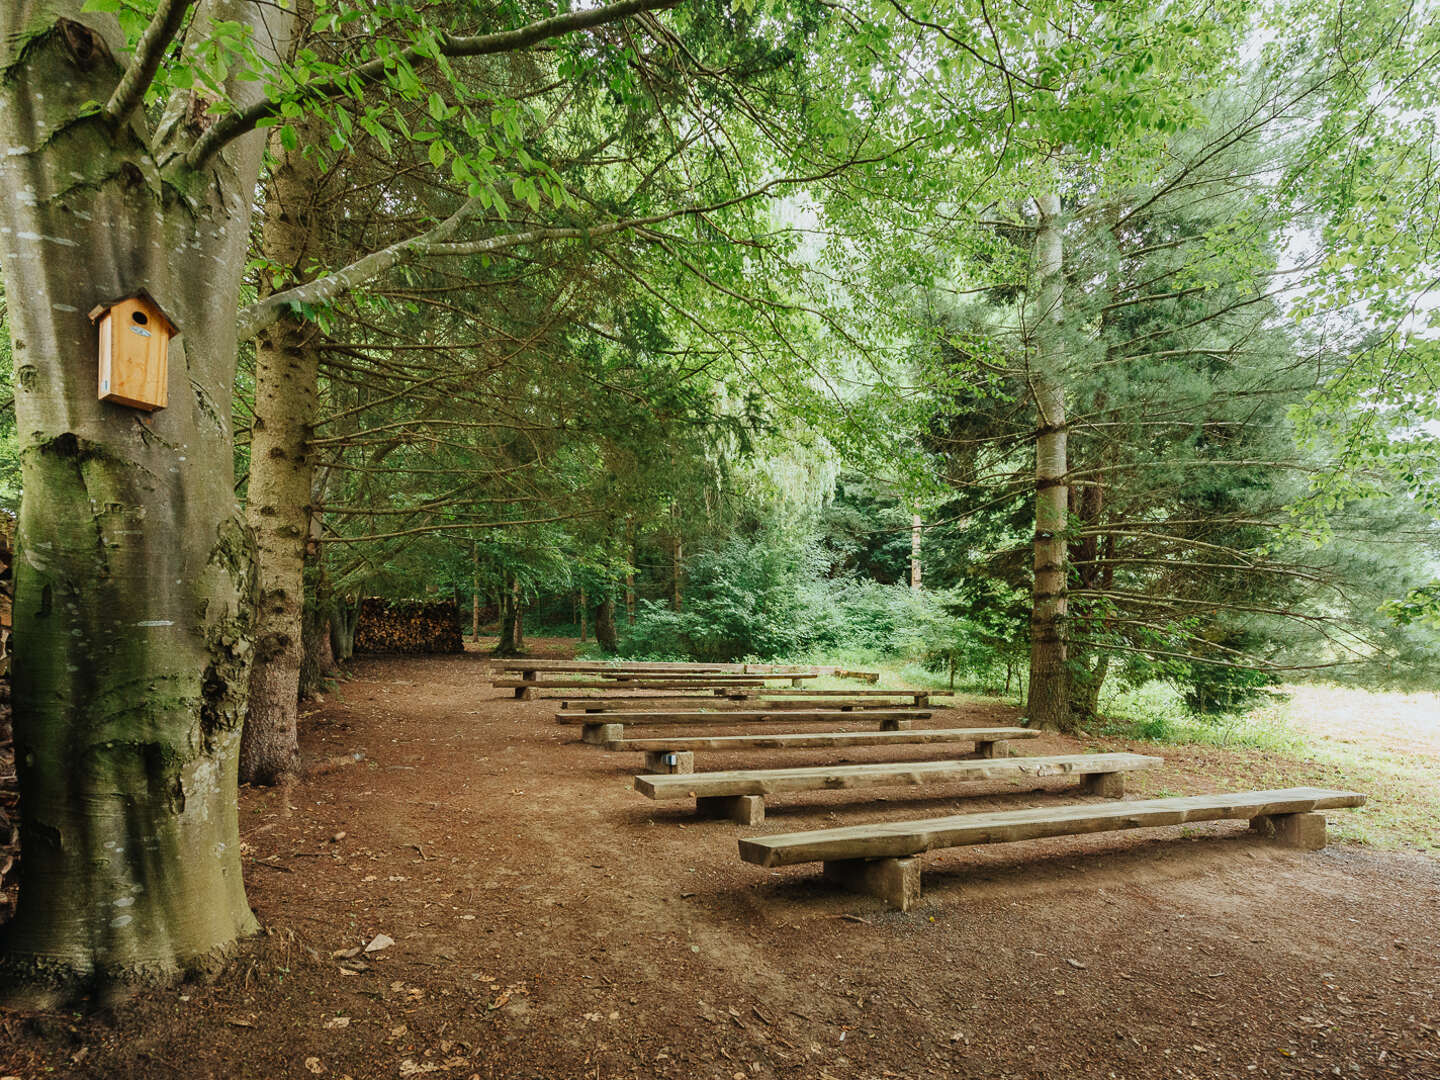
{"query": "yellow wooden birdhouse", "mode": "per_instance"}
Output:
(134, 351)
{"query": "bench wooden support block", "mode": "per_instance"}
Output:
(993, 748)
(600, 734)
(524, 693)
(670, 761)
(1111, 785)
(894, 725)
(1304, 831)
(746, 809)
(896, 881)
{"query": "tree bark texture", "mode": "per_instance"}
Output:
(677, 566)
(509, 608)
(583, 620)
(915, 551)
(282, 473)
(134, 578)
(474, 591)
(1089, 666)
(605, 635)
(1049, 697)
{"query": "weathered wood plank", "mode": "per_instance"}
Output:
(855, 691)
(720, 678)
(863, 705)
(885, 774)
(902, 838)
(813, 739)
(741, 716)
(576, 666)
(655, 684)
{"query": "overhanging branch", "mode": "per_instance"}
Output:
(236, 124)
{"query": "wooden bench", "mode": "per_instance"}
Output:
(740, 795)
(578, 666)
(919, 697)
(525, 688)
(609, 726)
(723, 678)
(879, 860)
(606, 704)
(677, 755)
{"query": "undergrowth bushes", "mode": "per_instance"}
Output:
(767, 597)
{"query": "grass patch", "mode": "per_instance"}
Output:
(1386, 745)
(1155, 712)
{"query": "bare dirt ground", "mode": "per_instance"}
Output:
(549, 923)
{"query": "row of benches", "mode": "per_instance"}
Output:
(882, 859)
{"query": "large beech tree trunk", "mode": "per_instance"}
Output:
(282, 473)
(134, 581)
(1049, 700)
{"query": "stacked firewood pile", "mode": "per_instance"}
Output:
(9, 788)
(408, 626)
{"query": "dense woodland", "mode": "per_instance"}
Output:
(1054, 346)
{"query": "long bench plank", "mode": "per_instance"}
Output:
(804, 740)
(606, 727)
(884, 774)
(741, 716)
(677, 754)
(624, 678)
(607, 665)
(608, 704)
(890, 840)
(647, 683)
(740, 795)
(806, 691)
(525, 688)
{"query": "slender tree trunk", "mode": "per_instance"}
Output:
(583, 629)
(630, 574)
(518, 627)
(282, 472)
(915, 552)
(1088, 665)
(677, 563)
(605, 634)
(1049, 700)
(1086, 681)
(474, 591)
(134, 581)
(319, 658)
(506, 646)
(342, 628)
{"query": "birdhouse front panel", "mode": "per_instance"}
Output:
(135, 354)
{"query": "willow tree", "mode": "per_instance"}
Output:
(135, 586)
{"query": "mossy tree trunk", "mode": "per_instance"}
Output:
(134, 581)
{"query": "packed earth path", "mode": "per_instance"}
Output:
(530, 917)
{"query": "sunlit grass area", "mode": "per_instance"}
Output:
(1384, 744)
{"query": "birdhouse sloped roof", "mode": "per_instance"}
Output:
(139, 294)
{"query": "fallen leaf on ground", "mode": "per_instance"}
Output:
(378, 942)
